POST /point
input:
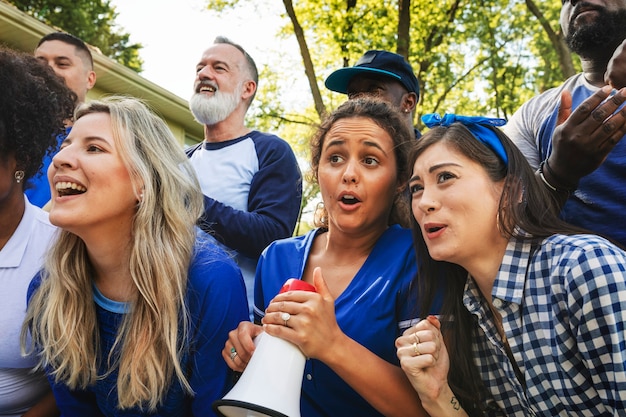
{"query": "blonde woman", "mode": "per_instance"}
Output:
(135, 303)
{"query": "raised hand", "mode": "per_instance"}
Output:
(584, 137)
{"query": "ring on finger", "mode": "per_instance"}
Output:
(285, 317)
(233, 353)
(416, 349)
(417, 339)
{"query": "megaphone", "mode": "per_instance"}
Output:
(271, 383)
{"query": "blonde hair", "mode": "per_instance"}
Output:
(151, 340)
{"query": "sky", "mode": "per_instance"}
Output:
(174, 33)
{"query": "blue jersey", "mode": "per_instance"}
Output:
(216, 304)
(367, 311)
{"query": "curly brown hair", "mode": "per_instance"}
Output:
(34, 104)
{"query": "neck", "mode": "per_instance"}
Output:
(11, 212)
(230, 128)
(110, 259)
(594, 69)
(484, 269)
(350, 246)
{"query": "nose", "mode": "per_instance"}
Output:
(63, 158)
(204, 73)
(350, 174)
(427, 203)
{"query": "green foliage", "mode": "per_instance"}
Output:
(91, 20)
(474, 57)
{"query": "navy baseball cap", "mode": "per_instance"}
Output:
(375, 62)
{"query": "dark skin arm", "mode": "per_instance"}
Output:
(46, 407)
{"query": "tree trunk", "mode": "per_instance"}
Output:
(557, 40)
(404, 24)
(309, 70)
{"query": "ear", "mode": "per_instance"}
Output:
(91, 79)
(249, 88)
(409, 101)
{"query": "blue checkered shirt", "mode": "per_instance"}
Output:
(563, 307)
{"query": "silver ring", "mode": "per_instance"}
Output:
(285, 317)
(233, 353)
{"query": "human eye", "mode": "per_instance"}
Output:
(415, 188)
(444, 176)
(334, 159)
(91, 148)
(369, 160)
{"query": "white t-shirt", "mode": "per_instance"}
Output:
(20, 260)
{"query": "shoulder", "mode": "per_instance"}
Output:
(284, 246)
(267, 142)
(586, 259)
(210, 263)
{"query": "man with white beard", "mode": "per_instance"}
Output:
(251, 181)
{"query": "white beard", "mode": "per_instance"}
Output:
(212, 110)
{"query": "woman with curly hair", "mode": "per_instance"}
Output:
(135, 302)
(33, 104)
(360, 259)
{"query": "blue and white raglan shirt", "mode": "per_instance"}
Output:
(600, 199)
(366, 311)
(563, 307)
(252, 190)
(216, 304)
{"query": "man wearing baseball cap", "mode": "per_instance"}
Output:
(382, 74)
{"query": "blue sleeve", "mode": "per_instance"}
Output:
(273, 202)
(217, 304)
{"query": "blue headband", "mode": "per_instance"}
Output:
(475, 124)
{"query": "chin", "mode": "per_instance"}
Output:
(439, 254)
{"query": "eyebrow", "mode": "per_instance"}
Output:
(88, 139)
(434, 168)
(339, 142)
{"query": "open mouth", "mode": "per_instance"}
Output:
(206, 87)
(349, 199)
(434, 229)
(69, 188)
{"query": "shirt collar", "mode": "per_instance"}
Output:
(511, 277)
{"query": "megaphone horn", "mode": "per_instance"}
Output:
(271, 383)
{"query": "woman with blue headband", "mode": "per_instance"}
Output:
(533, 318)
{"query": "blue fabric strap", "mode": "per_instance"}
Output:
(476, 125)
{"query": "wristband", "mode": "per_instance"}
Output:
(543, 178)
(567, 189)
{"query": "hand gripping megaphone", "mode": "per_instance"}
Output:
(271, 383)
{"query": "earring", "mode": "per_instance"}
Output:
(19, 176)
(406, 110)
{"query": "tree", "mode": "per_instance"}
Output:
(91, 20)
(474, 57)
